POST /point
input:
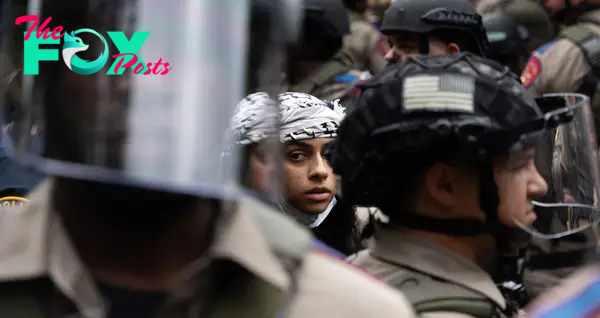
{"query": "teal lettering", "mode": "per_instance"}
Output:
(132, 46)
(32, 54)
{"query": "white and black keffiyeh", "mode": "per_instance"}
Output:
(302, 116)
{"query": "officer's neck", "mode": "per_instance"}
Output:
(478, 249)
(137, 246)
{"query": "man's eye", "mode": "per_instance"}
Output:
(297, 156)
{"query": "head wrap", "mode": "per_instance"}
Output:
(302, 116)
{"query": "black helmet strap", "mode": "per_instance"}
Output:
(424, 44)
(488, 201)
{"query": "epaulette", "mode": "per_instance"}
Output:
(540, 50)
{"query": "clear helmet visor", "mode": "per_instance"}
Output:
(89, 116)
(566, 157)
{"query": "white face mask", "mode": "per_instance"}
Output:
(311, 220)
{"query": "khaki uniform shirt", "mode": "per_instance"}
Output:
(34, 243)
(393, 256)
(335, 79)
(558, 66)
(365, 44)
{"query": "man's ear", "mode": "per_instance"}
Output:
(439, 183)
(452, 48)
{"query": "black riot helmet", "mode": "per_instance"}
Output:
(507, 40)
(328, 17)
(459, 109)
(447, 19)
(325, 24)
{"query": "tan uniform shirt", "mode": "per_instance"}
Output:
(34, 243)
(333, 80)
(365, 44)
(558, 66)
(393, 256)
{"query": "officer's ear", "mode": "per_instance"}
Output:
(447, 184)
(452, 48)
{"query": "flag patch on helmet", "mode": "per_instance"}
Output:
(531, 71)
(445, 92)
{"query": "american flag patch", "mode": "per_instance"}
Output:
(443, 92)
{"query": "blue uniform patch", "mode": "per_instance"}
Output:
(346, 78)
(540, 50)
(584, 304)
(319, 246)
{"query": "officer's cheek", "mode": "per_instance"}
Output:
(514, 204)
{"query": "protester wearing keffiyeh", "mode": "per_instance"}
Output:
(303, 117)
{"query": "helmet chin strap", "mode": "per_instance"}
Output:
(424, 44)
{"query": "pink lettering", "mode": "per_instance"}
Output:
(149, 70)
(42, 31)
(167, 69)
(138, 69)
(128, 64)
(27, 18)
(56, 33)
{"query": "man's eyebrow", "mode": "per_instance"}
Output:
(298, 143)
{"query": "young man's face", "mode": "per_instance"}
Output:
(310, 182)
(403, 45)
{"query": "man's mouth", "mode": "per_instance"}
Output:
(318, 194)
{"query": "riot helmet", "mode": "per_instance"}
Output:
(155, 116)
(452, 21)
(531, 14)
(507, 41)
(324, 26)
(465, 111)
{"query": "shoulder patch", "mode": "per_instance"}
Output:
(322, 248)
(531, 71)
(346, 78)
(540, 50)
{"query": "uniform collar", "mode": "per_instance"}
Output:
(434, 260)
(33, 243)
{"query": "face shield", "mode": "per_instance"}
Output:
(142, 92)
(566, 157)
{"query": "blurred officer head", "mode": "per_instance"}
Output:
(507, 40)
(429, 27)
(324, 26)
(530, 14)
(359, 6)
(567, 11)
(127, 140)
(446, 144)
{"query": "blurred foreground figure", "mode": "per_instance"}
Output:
(444, 145)
(143, 215)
